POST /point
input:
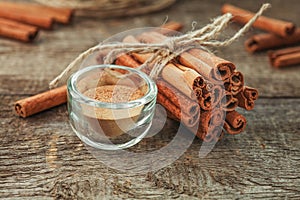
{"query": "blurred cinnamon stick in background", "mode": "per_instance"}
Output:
(15, 30)
(265, 41)
(278, 27)
(26, 17)
(285, 57)
(16, 18)
(61, 15)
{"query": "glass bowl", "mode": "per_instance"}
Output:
(111, 107)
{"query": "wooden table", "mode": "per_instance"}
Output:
(40, 157)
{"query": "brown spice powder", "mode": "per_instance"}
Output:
(114, 93)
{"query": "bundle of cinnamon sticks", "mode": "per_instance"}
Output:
(197, 88)
(22, 21)
(280, 34)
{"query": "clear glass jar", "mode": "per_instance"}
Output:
(111, 107)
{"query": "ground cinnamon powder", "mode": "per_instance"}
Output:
(114, 93)
(110, 123)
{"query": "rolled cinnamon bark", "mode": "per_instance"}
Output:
(247, 97)
(229, 102)
(127, 60)
(188, 81)
(278, 27)
(187, 120)
(210, 125)
(187, 105)
(27, 18)
(40, 102)
(205, 101)
(215, 133)
(206, 64)
(250, 93)
(192, 62)
(15, 30)
(235, 123)
(221, 69)
(169, 74)
(151, 37)
(285, 57)
(236, 82)
(244, 102)
(170, 27)
(192, 78)
(61, 15)
(265, 41)
(211, 97)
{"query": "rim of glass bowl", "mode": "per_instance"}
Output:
(78, 96)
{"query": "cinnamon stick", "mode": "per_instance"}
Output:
(206, 64)
(192, 78)
(250, 93)
(247, 97)
(229, 102)
(210, 125)
(235, 123)
(61, 15)
(187, 120)
(187, 105)
(184, 81)
(215, 133)
(285, 57)
(151, 37)
(236, 81)
(40, 102)
(278, 27)
(221, 69)
(192, 62)
(211, 97)
(127, 60)
(15, 30)
(170, 27)
(265, 41)
(26, 17)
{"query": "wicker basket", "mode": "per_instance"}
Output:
(110, 8)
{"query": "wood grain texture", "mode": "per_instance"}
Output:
(41, 158)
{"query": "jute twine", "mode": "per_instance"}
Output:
(168, 49)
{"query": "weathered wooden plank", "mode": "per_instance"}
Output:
(43, 158)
